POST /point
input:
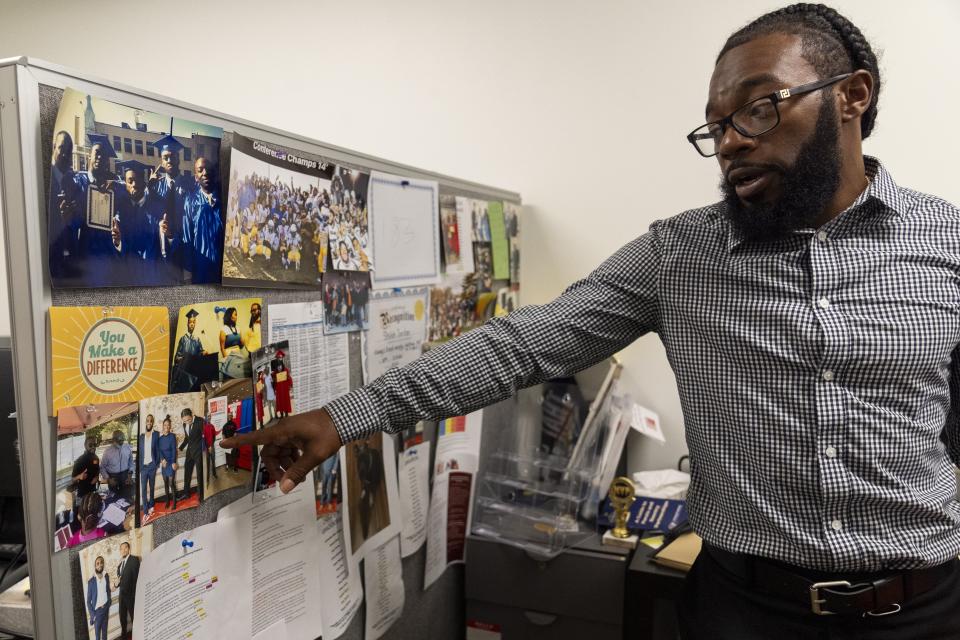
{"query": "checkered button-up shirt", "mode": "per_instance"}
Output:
(819, 376)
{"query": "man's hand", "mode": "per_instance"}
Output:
(292, 447)
(115, 232)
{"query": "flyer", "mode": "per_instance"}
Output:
(413, 477)
(383, 577)
(451, 505)
(268, 560)
(398, 330)
(107, 354)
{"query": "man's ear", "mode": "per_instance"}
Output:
(854, 95)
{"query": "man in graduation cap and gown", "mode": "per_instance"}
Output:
(168, 184)
(62, 219)
(203, 225)
(145, 231)
(188, 350)
(98, 246)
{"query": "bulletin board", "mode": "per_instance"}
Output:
(30, 93)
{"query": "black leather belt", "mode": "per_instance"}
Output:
(873, 594)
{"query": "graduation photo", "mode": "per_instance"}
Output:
(273, 395)
(134, 197)
(214, 341)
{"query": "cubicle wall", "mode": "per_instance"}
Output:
(30, 93)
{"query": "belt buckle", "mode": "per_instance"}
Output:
(816, 600)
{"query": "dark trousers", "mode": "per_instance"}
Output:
(188, 467)
(148, 485)
(211, 463)
(717, 605)
(100, 618)
(170, 488)
(126, 616)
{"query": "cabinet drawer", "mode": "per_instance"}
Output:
(581, 583)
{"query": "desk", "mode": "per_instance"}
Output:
(652, 592)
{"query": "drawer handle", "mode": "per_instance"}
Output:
(540, 619)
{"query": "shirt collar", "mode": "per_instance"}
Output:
(881, 187)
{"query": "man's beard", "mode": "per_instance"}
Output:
(806, 188)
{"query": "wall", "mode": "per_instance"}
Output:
(582, 107)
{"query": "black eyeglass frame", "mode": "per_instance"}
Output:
(775, 97)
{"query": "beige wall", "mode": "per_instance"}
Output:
(580, 106)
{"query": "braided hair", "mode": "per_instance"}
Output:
(830, 42)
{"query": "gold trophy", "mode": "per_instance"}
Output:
(622, 494)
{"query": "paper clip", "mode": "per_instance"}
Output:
(107, 311)
(91, 408)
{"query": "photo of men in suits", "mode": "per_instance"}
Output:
(109, 570)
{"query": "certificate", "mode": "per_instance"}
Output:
(99, 208)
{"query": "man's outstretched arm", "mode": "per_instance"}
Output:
(594, 318)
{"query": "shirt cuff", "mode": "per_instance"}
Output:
(355, 416)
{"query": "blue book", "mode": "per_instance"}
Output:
(648, 514)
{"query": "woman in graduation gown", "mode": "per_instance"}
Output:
(282, 386)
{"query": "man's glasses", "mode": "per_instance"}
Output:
(753, 119)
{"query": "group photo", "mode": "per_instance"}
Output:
(278, 215)
(134, 197)
(170, 463)
(95, 479)
(348, 222)
(346, 301)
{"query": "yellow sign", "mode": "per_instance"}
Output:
(107, 354)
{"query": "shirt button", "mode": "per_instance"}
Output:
(831, 452)
(828, 375)
(837, 525)
(822, 236)
(823, 302)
